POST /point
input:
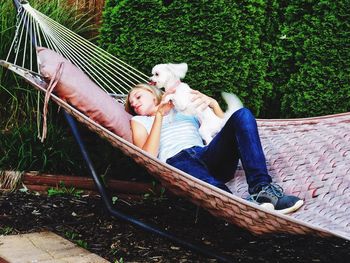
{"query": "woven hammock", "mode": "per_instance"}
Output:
(308, 157)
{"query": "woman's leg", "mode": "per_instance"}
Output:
(188, 161)
(238, 139)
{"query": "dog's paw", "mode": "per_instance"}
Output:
(168, 98)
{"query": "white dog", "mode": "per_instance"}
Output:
(169, 76)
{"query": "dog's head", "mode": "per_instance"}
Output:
(166, 75)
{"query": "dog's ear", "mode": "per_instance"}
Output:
(158, 67)
(179, 70)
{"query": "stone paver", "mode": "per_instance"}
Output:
(44, 247)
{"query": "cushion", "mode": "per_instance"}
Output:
(76, 88)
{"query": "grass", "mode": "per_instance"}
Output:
(155, 194)
(6, 230)
(63, 190)
(19, 120)
(22, 150)
(74, 237)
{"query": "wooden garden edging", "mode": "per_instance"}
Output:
(36, 181)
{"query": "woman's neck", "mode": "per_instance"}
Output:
(153, 113)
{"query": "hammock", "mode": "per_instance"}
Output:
(308, 157)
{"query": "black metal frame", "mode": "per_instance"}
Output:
(107, 200)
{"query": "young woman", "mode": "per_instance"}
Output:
(174, 139)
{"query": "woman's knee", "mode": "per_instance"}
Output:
(243, 117)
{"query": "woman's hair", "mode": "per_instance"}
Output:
(155, 91)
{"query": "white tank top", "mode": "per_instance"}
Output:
(178, 132)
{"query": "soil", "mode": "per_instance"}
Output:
(83, 220)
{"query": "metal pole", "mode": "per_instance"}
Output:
(107, 201)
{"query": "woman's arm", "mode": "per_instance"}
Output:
(214, 105)
(147, 142)
(150, 142)
(203, 101)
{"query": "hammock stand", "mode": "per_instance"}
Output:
(308, 157)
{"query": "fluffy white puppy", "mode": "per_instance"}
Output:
(169, 76)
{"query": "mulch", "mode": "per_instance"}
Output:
(83, 220)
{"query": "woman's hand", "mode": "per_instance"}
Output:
(164, 107)
(202, 101)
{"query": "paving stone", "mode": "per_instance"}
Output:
(44, 247)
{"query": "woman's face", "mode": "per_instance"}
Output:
(143, 102)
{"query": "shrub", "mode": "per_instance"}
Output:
(220, 40)
(316, 54)
(283, 58)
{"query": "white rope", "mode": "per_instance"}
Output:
(93, 47)
(36, 34)
(109, 72)
(75, 58)
(15, 39)
(101, 66)
(73, 43)
(38, 41)
(17, 49)
(83, 62)
(25, 42)
(33, 39)
(83, 40)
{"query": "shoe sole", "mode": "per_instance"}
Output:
(291, 209)
(268, 206)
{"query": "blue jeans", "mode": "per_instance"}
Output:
(217, 162)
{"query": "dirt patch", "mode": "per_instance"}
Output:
(84, 221)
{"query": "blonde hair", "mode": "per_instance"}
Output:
(155, 91)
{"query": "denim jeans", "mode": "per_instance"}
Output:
(217, 162)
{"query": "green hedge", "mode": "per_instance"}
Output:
(317, 46)
(283, 58)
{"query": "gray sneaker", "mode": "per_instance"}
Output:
(273, 194)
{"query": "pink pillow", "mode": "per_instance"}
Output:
(75, 87)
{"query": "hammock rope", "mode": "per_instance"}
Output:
(308, 157)
(74, 48)
(107, 71)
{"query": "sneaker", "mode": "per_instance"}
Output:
(273, 194)
(268, 206)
